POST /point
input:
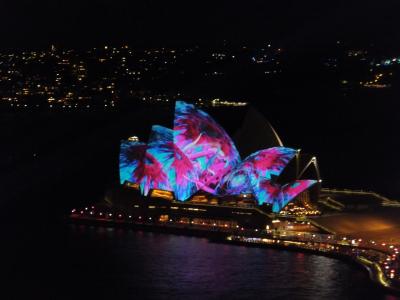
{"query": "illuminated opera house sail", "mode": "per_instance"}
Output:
(198, 155)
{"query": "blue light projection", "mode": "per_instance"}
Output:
(206, 144)
(158, 161)
(290, 191)
(261, 165)
(199, 155)
(131, 156)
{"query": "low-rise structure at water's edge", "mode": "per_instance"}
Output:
(127, 205)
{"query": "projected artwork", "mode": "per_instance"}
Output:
(290, 191)
(186, 178)
(279, 196)
(237, 182)
(197, 154)
(158, 160)
(261, 165)
(265, 164)
(131, 166)
(205, 143)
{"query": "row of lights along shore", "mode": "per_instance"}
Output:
(391, 250)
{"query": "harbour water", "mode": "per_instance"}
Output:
(71, 261)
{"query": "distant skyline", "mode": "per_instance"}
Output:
(76, 23)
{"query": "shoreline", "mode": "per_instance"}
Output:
(375, 272)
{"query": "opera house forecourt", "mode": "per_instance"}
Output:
(192, 178)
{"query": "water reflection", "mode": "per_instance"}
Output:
(171, 266)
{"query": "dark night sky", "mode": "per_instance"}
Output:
(303, 25)
(39, 23)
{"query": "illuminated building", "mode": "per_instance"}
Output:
(198, 156)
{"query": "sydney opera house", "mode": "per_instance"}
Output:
(196, 163)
